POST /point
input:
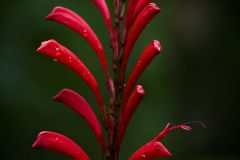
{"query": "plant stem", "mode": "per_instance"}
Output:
(112, 152)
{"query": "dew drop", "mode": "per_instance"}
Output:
(143, 156)
(56, 139)
(85, 33)
(55, 60)
(70, 59)
(57, 49)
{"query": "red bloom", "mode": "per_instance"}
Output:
(78, 24)
(61, 54)
(102, 6)
(148, 13)
(60, 143)
(131, 106)
(154, 149)
(140, 5)
(144, 60)
(80, 105)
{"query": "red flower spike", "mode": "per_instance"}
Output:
(151, 151)
(141, 22)
(131, 106)
(144, 60)
(77, 103)
(60, 143)
(140, 5)
(61, 54)
(78, 24)
(102, 6)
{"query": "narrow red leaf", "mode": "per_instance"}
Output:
(103, 8)
(141, 22)
(78, 24)
(144, 60)
(150, 151)
(131, 106)
(63, 55)
(77, 103)
(59, 143)
(140, 5)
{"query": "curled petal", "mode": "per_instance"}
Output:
(59, 143)
(141, 22)
(144, 60)
(155, 149)
(80, 105)
(140, 5)
(103, 8)
(78, 24)
(61, 54)
(131, 106)
(150, 151)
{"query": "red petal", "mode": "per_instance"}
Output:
(102, 6)
(131, 106)
(78, 24)
(144, 60)
(130, 10)
(140, 5)
(59, 143)
(80, 105)
(66, 57)
(141, 22)
(151, 151)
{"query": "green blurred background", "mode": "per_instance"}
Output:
(195, 78)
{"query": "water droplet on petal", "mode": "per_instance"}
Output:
(143, 156)
(55, 60)
(57, 49)
(56, 139)
(85, 33)
(70, 59)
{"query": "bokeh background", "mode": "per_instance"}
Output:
(195, 78)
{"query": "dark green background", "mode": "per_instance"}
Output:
(195, 78)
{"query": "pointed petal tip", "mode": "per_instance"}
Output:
(53, 12)
(154, 6)
(37, 143)
(58, 95)
(157, 45)
(45, 44)
(140, 90)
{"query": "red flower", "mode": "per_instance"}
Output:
(61, 54)
(148, 13)
(78, 24)
(144, 60)
(154, 149)
(76, 102)
(59, 143)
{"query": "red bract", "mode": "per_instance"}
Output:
(80, 105)
(130, 9)
(131, 106)
(75, 22)
(123, 101)
(102, 6)
(144, 60)
(140, 5)
(155, 149)
(61, 54)
(148, 13)
(60, 143)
